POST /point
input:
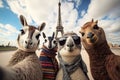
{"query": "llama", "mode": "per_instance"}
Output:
(104, 64)
(72, 67)
(47, 58)
(24, 64)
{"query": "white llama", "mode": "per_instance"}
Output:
(72, 67)
(24, 64)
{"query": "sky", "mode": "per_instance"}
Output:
(74, 14)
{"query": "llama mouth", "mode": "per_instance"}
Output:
(28, 47)
(92, 40)
(70, 49)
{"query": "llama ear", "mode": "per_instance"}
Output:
(53, 34)
(44, 36)
(23, 20)
(40, 28)
(96, 21)
(92, 20)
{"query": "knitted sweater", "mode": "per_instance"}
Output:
(49, 63)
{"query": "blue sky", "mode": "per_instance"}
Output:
(74, 14)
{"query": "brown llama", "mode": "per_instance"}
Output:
(104, 64)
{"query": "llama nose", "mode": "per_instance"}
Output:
(49, 46)
(90, 35)
(70, 45)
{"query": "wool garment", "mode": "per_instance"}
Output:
(49, 63)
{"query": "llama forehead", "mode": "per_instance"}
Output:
(88, 25)
(30, 30)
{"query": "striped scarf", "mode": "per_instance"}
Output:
(49, 63)
(68, 69)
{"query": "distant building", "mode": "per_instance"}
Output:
(116, 45)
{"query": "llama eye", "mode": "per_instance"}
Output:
(22, 31)
(37, 37)
(95, 27)
(54, 42)
(45, 40)
(82, 33)
(76, 40)
(62, 41)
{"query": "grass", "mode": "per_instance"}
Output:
(7, 48)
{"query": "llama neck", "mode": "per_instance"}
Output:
(68, 59)
(99, 52)
(18, 56)
(49, 52)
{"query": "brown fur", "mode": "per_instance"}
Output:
(104, 64)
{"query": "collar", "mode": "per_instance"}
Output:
(49, 52)
(68, 69)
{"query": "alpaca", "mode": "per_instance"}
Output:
(104, 64)
(24, 64)
(47, 58)
(72, 67)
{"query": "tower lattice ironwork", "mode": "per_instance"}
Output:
(59, 27)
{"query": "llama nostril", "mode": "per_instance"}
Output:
(90, 35)
(70, 45)
(26, 42)
(30, 43)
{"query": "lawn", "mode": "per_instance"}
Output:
(7, 48)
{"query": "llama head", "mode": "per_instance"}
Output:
(50, 41)
(69, 44)
(28, 39)
(92, 34)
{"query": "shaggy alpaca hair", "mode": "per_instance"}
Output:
(48, 58)
(72, 66)
(104, 64)
(24, 64)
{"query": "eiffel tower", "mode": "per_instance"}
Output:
(59, 27)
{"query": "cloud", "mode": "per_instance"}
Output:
(99, 8)
(83, 12)
(19, 7)
(40, 11)
(8, 33)
(1, 4)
